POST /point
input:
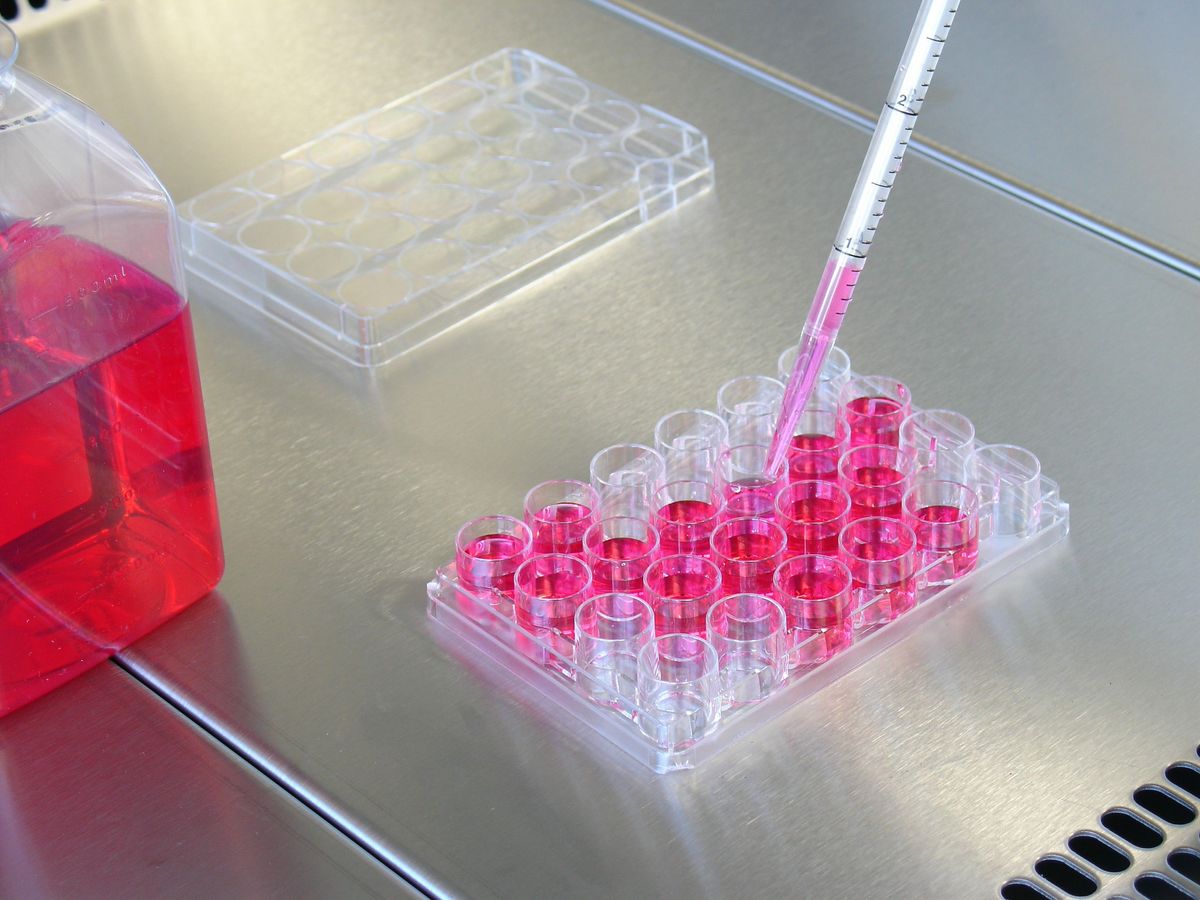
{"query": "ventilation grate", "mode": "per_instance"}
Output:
(1148, 849)
(26, 12)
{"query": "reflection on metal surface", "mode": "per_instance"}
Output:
(215, 639)
(947, 155)
(105, 792)
(989, 130)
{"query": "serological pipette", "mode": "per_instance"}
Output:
(863, 214)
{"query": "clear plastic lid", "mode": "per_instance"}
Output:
(382, 232)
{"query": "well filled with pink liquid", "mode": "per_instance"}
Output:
(876, 491)
(685, 526)
(947, 530)
(556, 596)
(814, 525)
(747, 560)
(814, 457)
(875, 420)
(814, 587)
(481, 561)
(624, 561)
(560, 528)
(686, 599)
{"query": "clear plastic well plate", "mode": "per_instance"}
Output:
(384, 231)
(1020, 513)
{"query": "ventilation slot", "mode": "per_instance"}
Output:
(1023, 890)
(1132, 828)
(1065, 876)
(1186, 777)
(1166, 806)
(1187, 863)
(1092, 848)
(1153, 886)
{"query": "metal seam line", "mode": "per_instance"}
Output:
(276, 774)
(848, 112)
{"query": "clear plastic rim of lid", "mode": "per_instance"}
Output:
(9, 45)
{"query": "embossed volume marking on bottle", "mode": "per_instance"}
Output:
(110, 280)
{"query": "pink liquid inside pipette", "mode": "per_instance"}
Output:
(834, 293)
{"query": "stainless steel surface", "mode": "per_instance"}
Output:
(105, 791)
(1081, 105)
(938, 770)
